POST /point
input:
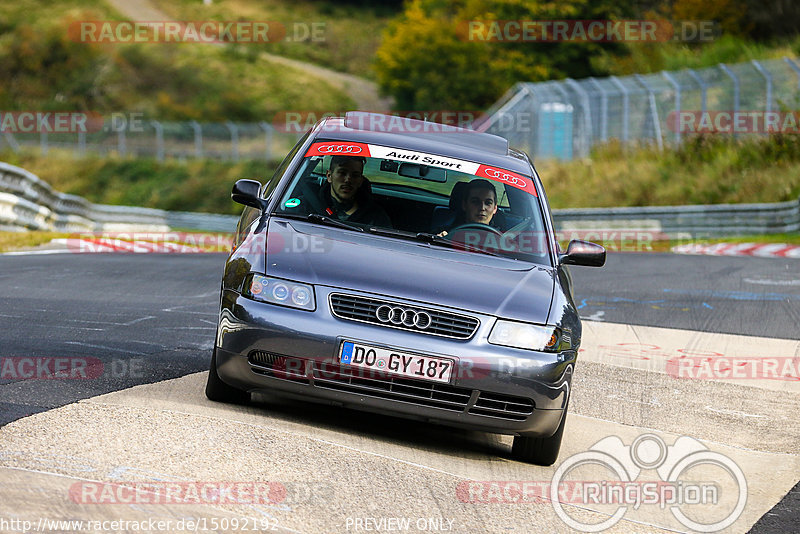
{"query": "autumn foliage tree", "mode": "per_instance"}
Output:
(430, 60)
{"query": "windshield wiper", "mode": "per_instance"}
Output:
(321, 219)
(390, 232)
(435, 239)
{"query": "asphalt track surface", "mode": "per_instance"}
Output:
(143, 319)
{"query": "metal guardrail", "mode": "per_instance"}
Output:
(28, 202)
(709, 220)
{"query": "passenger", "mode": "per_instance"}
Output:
(478, 206)
(347, 195)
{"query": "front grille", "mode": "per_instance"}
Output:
(430, 394)
(417, 319)
(502, 406)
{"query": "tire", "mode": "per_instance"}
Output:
(219, 391)
(540, 451)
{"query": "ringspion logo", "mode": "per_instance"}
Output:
(688, 483)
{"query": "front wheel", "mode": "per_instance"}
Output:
(219, 391)
(540, 451)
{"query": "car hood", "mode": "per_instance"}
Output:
(392, 267)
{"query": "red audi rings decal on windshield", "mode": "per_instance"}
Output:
(333, 148)
(507, 177)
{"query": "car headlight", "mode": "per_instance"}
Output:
(525, 336)
(283, 292)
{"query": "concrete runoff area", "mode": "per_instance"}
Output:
(347, 471)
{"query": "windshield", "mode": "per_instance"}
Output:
(406, 194)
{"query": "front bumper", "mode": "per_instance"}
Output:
(276, 350)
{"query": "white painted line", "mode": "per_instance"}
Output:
(35, 252)
(733, 412)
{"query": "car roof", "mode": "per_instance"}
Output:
(432, 138)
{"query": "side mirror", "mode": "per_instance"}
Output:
(584, 253)
(246, 192)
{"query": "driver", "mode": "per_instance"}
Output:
(478, 206)
(347, 195)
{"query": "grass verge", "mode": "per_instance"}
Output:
(704, 170)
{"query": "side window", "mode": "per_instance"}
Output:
(276, 177)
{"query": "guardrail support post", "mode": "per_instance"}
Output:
(234, 140)
(677, 87)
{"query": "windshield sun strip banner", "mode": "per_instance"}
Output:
(345, 148)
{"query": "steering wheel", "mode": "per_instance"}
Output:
(475, 226)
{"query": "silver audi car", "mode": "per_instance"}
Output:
(406, 268)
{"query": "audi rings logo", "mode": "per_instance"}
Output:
(339, 149)
(402, 317)
(504, 177)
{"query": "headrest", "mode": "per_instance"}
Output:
(457, 196)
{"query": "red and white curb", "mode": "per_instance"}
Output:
(90, 246)
(764, 250)
(116, 245)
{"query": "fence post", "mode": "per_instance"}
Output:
(121, 144)
(82, 143)
(795, 68)
(43, 142)
(159, 140)
(234, 139)
(677, 87)
(768, 77)
(198, 139)
(653, 110)
(736, 91)
(603, 109)
(268, 138)
(12, 142)
(625, 106)
(703, 89)
(587, 116)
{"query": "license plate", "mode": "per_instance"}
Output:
(386, 361)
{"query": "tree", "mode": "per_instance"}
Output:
(431, 58)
